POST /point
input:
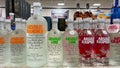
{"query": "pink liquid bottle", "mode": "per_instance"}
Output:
(86, 42)
(102, 45)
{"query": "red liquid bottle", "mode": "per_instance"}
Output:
(86, 42)
(102, 45)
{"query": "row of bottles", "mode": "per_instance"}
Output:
(86, 43)
(13, 43)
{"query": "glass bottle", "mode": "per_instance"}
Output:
(36, 29)
(18, 45)
(86, 42)
(102, 45)
(70, 47)
(114, 31)
(4, 45)
(55, 49)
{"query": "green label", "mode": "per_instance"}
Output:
(72, 40)
(54, 40)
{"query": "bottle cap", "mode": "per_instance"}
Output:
(23, 20)
(11, 14)
(18, 19)
(37, 4)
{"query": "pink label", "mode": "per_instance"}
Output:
(113, 28)
(116, 40)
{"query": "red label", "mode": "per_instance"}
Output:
(101, 46)
(86, 46)
(116, 40)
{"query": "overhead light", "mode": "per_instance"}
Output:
(96, 4)
(61, 4)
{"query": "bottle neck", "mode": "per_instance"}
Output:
(19, 25)
(54, 26)
(86, 26)
(2, 26)
(101, 26)
(37, 10)
(70, 26)
(7, 25)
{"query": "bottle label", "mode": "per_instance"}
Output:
(116, 40)
(113, 28)
(35, 29)
(2, 40)
(88, 40)
(102, 46)
(86, 46)
(54, 51)
(72, 40)
(17, 40)
(36, 48)
(18, 50)
(54, 40)
(103, 40)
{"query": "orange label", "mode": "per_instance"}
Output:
(2, 40)
(17, 40)
(35, 29)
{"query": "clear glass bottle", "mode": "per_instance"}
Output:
(18, 45)
(36, 36)
(55, 49)
(4, 45)
(70, 46)
(102, 45)
(114, 31)
(86, 42)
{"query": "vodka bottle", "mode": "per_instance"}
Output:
(4, 45)
(18, 45)
(114, 31)
(70, 46)
(86, 42)
(36, 29)
(55, 49)
(102, 45)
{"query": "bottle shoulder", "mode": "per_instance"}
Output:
(86, 32)
(54, 33)
(101, 32)
(70, 32)
(18, 32)
(36, 20)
